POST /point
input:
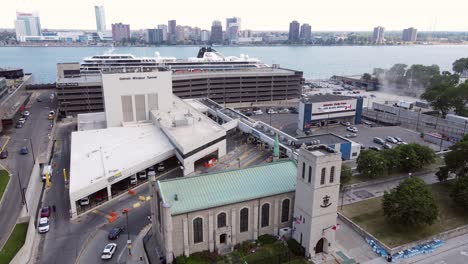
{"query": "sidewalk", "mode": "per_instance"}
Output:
(138, 250)
(356, 194)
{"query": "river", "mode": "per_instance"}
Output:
(316, 62)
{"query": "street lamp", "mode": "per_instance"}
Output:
(23, 196)
(129, 242)
(32, 150)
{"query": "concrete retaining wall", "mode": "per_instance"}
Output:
(25, 253)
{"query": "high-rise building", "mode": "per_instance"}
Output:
(27, 24)
(379, 35)
(100, 18)
(410, 34)
(120, 32)
(180, 33)
(233, 27)
(172, 31)
(294, 31)
(164, 31)
(306, 32)
(205, 36)
(154, 36)
(216, 32)
(246, 33)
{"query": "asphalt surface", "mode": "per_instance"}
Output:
(82, 240)
(35, 128)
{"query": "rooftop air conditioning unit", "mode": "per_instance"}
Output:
(284, 233)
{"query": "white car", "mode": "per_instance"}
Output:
(108, 251)
(22, 120)
(271, 111)
(352, 129)
(258, 112)
(43, 225)
(84, 201)
(26, 113)
(391, 140)
(142, 174)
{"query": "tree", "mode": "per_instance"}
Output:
(366, 77)
(460, 65)
(392, 159)
(459, 192)
(443, 173)
(457, 159)
(410, 204)
(425, 154)
(440, 97)
(421, 74)
(396, 74)
(371, 164)
(346, 174)
(409, 161)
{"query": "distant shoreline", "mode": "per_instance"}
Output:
(53, 45)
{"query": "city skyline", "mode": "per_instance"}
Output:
(430, 16)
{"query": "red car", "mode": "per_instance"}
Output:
(45, 211)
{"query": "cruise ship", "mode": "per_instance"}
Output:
(207, 59)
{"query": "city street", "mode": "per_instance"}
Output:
(36, 130)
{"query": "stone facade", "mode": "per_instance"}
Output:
(219, 238)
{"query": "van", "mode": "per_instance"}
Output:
(161, 167)
(133, 179)
(142, 174)
(46, 170)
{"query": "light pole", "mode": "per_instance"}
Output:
(239, 162)
(125, 212)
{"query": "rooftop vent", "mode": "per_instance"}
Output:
(176, 198)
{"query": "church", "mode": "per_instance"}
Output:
(214, 212)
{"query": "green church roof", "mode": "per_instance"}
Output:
(228, 187)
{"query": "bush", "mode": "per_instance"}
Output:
(267, 239)
(459, 192)
(204, 257)
(295, 247)
(245, 247)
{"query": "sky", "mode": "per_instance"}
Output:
(328, 15)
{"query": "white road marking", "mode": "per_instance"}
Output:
(123, 251)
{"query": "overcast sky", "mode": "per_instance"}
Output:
(358, 15)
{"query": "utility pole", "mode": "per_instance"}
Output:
(129, 245)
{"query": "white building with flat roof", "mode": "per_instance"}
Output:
(143, 125)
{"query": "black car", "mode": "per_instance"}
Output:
(379, 141)
(115, 232)
(4, 154)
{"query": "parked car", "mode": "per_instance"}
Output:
(24, 151)
(351, 135)
(271, 111)
(142, 174)
(362, 146)
(114, 233)
(379, 141)
(45, 211)
(99, 197)
(345, 123)
(257, 112)
(19, 125)
(391, 140)
(284, 111)
(22, 120)
(108, 251)
(51, 115)
(26, 113)
(248, 113)
(161, 167)
(4, 154)
(352, 129)
(38, 99)
(374, 148)
(133, 179)
(398, 139)
(386, 146)
(43, 226)
(293, 110)
(84, 201)
(402, 143)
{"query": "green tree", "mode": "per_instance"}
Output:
(366, 77)
(396, 74)
(443, 173)
(440, 97)
(421, 74)
(457, 159)
(371, 164)
(392, 160)
(410, 204)
(346, 174)
(408, 157)
(425, 154)
(459, 192)
(460, 65)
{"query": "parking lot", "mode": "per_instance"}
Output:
(366, 135)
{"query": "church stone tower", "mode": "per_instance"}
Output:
(316, 199)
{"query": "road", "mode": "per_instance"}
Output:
(84, 238)
(36, 128)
